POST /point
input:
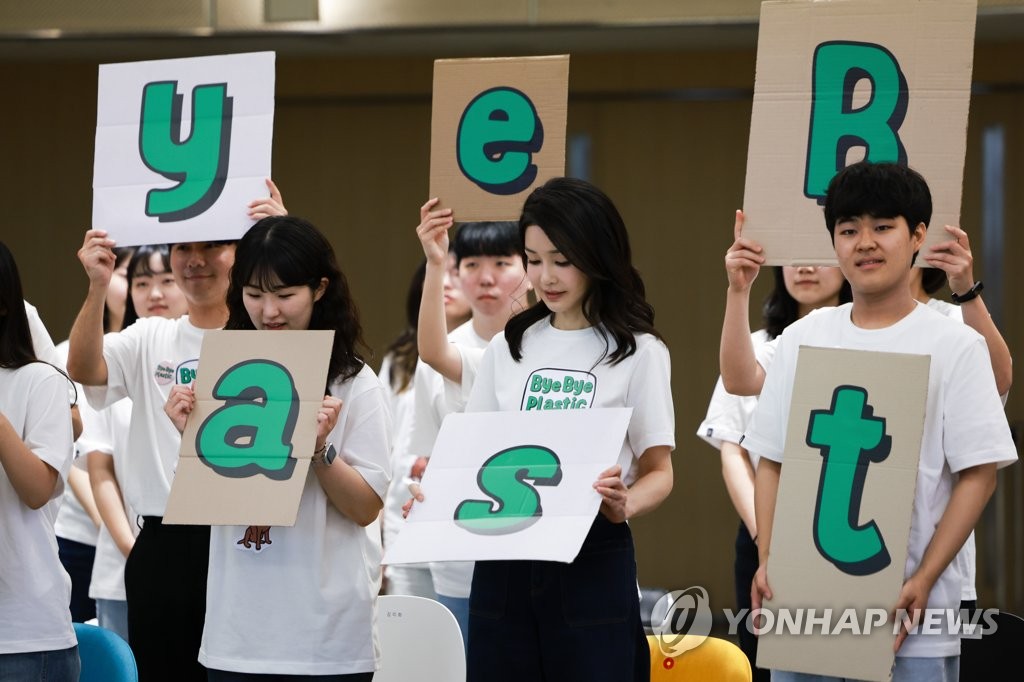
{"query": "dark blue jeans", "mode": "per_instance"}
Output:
(545, 620)
(77, 559)
(41, 666)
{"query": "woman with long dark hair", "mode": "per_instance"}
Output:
(36, 635)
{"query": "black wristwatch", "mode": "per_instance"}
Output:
(968, 295)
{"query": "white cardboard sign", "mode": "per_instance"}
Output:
(182, 147)
(511, 485)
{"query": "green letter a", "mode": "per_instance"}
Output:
(252, 432)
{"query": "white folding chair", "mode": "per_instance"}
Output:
(419, 640)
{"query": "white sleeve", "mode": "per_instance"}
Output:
(726, 418)
(482, 397)
(650, 396)
(457, 395)
(424, 420)
(121, 351)
(42, 343)
(48, 425)
(765, 435)
(96, 431)
(365, 441)
(974, 426)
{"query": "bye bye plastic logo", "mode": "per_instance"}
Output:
(681, 621)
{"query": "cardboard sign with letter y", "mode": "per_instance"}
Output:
(843, 512)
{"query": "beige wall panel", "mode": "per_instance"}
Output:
(105, 16)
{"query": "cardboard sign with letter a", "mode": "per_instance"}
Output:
(511, 485)
(182, 147)
(247, 445)
(497, 131)
(843, 80)
(843, 512)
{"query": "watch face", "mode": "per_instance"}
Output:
(330, 454)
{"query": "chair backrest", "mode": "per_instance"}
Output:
(714, 659)
(419, 640)
(105, 656)
(986, 657)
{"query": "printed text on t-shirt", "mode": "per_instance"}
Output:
(552, 388)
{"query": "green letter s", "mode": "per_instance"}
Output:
(200, 163)
(252, 432)
(836, 126)
(504, 478)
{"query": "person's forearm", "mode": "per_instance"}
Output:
(349, 492)
(766, 488)
(32, 479)
(86, 364)
(653, 484)
(78, 481)
(971, 492)
(741, 373)
(977, 317)
(738, 475)
(109, 500)
(432, 328)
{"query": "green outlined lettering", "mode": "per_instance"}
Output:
(498, 134)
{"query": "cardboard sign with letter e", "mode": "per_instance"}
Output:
(841, 80)
(182, 147)
(497, 131)
(511, 485)
(247, 445)
(843, 511)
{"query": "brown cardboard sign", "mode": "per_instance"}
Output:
(497, 131)
(841, 80)
(843, 512)
(246, 449)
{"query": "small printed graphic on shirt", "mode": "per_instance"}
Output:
(256, 539)
(551, 388)
(185, 374)
(164, 373)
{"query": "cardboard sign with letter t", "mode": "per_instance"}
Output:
(247, 445)
(843, 80)
(497, 131)
(843, 510)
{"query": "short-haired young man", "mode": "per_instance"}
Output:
(877, 215)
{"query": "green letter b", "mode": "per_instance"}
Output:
(836, 126)
(200, 163)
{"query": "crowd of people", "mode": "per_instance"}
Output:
(90, 430)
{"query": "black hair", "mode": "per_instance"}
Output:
(15, 336)
(138, 266)
(403, 350)
(495, 238)
(879, 190)
(121, 254)
(584, 225)
(781, 309)
(287, 251)
(932, 279)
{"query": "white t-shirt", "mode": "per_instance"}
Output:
(42, 342)
(728, 414)
(401, 406)
(964, 425)
(35, 590)
(430, 407)
(73, 522)
(106, 432)
(143, 362)
(304, 604)
(641, 381)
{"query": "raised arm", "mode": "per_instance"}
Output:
(86, 363)
(955, 259)
(267, 206)
(738, 475)
(741, 373)
(432, 328)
